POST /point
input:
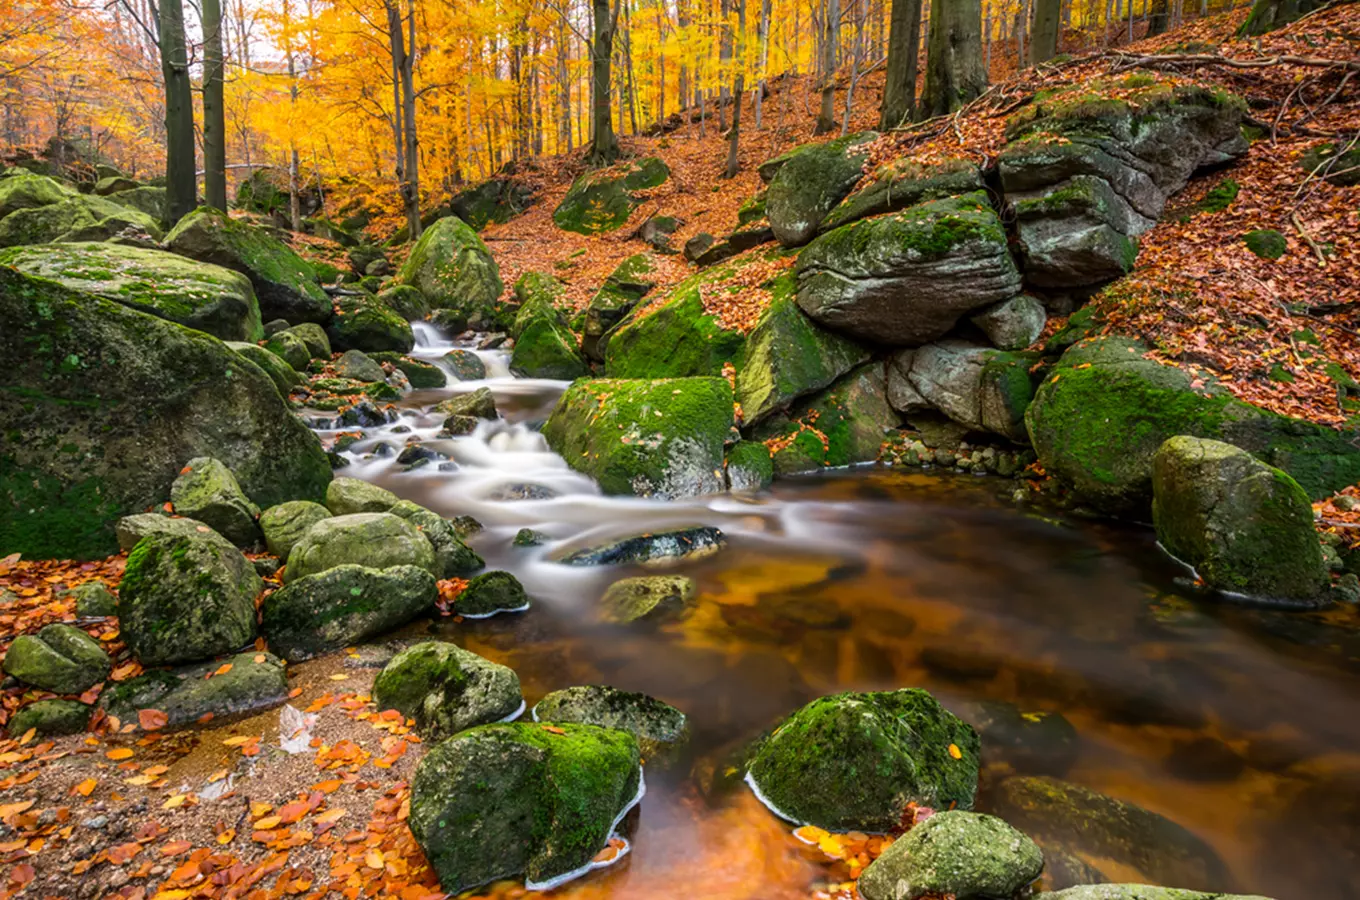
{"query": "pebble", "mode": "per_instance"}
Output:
(96, 822)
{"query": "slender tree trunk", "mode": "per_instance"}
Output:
(604, 145)
(180, 182)
(763, 31)
(738, 88)
(1158, 18)
(954, 72)
(855, 60)
(724, 61)
(1043, 37)
(214, 112)
(408, 101)
(826, 117)
(904, 42)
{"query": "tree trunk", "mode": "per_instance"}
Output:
(724, 61)
(214, 112)
(180, 182)
(826, 116)
(738, 87)
(904, 42)
(954, 74)
(763, 31)
(1043, 34)
(1158, 18)
(408, 101)
(604, 148)
(855, 59)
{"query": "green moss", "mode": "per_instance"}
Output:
(453, 268)
(749, 467)
(491, 593)
(602, 200)
(365, 323)
(1266, 243)
(1093, 108)
(446, 689)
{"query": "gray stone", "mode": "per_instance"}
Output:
(1013, 324)
(446, 689)
(356, 364)
(206, 490)
(285, 524)
(373, 540)
(346, 496)
(653, 598)
(59, 658)
(810, 182)
(961, 854)
(453, 558)
(186, 695)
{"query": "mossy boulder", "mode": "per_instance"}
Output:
(284, 376)
(421, 375)
(145, 199)
(465, 365)
(1246, 527)
(505, 801)
(198, 295)
(131, 529)
(185, 598)
(284, 282)
(904, 182)
(206, 490)
(544, 344)
(363, 322)
(314, 338)
(954, 853)
(906, 278)
(357, 365)
(978, 387)
(447, 689)
(290, 348)
(346, 496)
(50, 718)
(1266, 243)
(661, 438)
(372, 540)
(110, 184)
(102, 406)
(341, 606)
(493, 202)
(25, 190)
(218, 690)
(660, 728)
(630, 281)
(1097, 420)
(649, 598)
(285, 524)
(59, 658)
(452, 267)
(788, 356)
(406, 301)
(94, 600)
(811, 182)
(491, 593)
(81, 217)
(749, 467)
(603, 200)
(1337, 163)
(855, 761)
(479, 404)
(453, 558)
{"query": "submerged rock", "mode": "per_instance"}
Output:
(206, 490)
(954, 853)
(856, 761)
(285, 524)
(1246, 527)
(372, 540)
(447, 689)
(809, 183)
(659, 727)
(505, 801)
(491, 593)
(653, 598)
(59, 658)
(658, 549)
(50, 718)
(254, 681)
(186, 597)
(1030, 742)
(342, 606)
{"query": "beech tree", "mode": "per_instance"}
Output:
(180, 182)
(604, 146)
(1043, 32)
(904, 44)
(954, 73)
(214, 109)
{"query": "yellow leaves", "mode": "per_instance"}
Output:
(120, 753)
(13, 809)
(331, 815)
(374, 859)
(268, 823)
(955, 752)
(85, 788)
(175, 801)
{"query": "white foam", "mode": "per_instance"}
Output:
(755, 789)
(593, 865)
(516, 714)
(496, 612)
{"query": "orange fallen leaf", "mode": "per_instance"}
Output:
(152, 719)
(955, 752)
(267, 823)
(119, 753)
(86, 787)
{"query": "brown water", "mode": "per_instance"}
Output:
(1239, 724)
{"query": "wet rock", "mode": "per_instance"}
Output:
(346, 496)
(447, 689)
(420, 374)
(650, 598)
(466, 365)
(521, 491)
(855, 761)
(206, 490)
(658, 549)
(59, 658)
(465, 526)
(356, 364)
(365, 414)
(1204, 759)
(1246, 527)
(266, 566)
(954, 853)
(453, 558)
(479, 404)
(749, 467)
(493, 341)
(1013, 324)
(93, 600)
(527, 537)
(186, 597)
(373, 540)
(491, 593)
(810, 182)
(363, 322)
(960, 663)
(285, 524)
(845, 424)
(50, 718)
(254, 681)
(413, 454)
(504, 801)
(659, 727)
(342, 606)
(1030, 742)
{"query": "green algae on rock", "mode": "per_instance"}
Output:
(750, 467)
(373, 540)
(284, 376)
(453, 558)
(363, 322)
(659, 727)
(954, 853)
(630, 281)
(452, 267)
(346, 496)
(50, 718)
(285, 524)
(603, 200)
(656, 549)
(245, 683)
(905, 182)
(59, 658)
(491, 593)
(809, 183)
(206, 490)
(544, 344)
(447, 689)
(649, 598)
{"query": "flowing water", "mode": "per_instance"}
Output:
(1240, 724)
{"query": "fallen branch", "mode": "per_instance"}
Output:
(1308, 239)
(1214, 59)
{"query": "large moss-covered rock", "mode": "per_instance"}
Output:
(420, 374)
(954, 853)
(103, 405)
(202, 296)
(1090, 166)
(491, 593)
(363, 322)
(290, 348)
(341, 606)
(650, 598)
(453, 558)
(131, 529)
(904, 182)
(81, 217)
(1066, 818)
(373, 540)
(59, 658)
(452, 267)
(285, 524)
(186, 597)
(659, 727)
(284, 376)
(810, 182)
(603, 200)
(357, 364)
(504, 801)
(544, 344)
(447, 689)
(906, 278)
(630, 281)
(284, 282)
(661, 438)
(855, 761)
(845, 424)
(346, 496)
(1097, 420)
(207, 491)
(981, 388)
(146, 199)
(788, 356)
(1246, 527)
(749, 466)
(216, 690)
(406, 301)
(26, 190)
(494, 201)
(50, 718)
(314, 338)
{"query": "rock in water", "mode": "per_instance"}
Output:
(660, 438)
(491, 593)
(111, 402)
(50, 718)
(1246, 527)
(186, 597)
(906, 278)
(655, 598)
(374, 540)
(342, 606)
(285, 524)
(453, 558)
(346, 496)
(855, 761)
(447, 689)
(355, 364)
(810, 182)
(362, 322)
(658, 549)
(284, 282)
(505, 801)
(197, 295)
(59, 658)
(955, 853)
(244, 683)
(749, 467)
(659, 727)
(453, 269)
(207, 491)
(466, 365)
(1137, 892)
